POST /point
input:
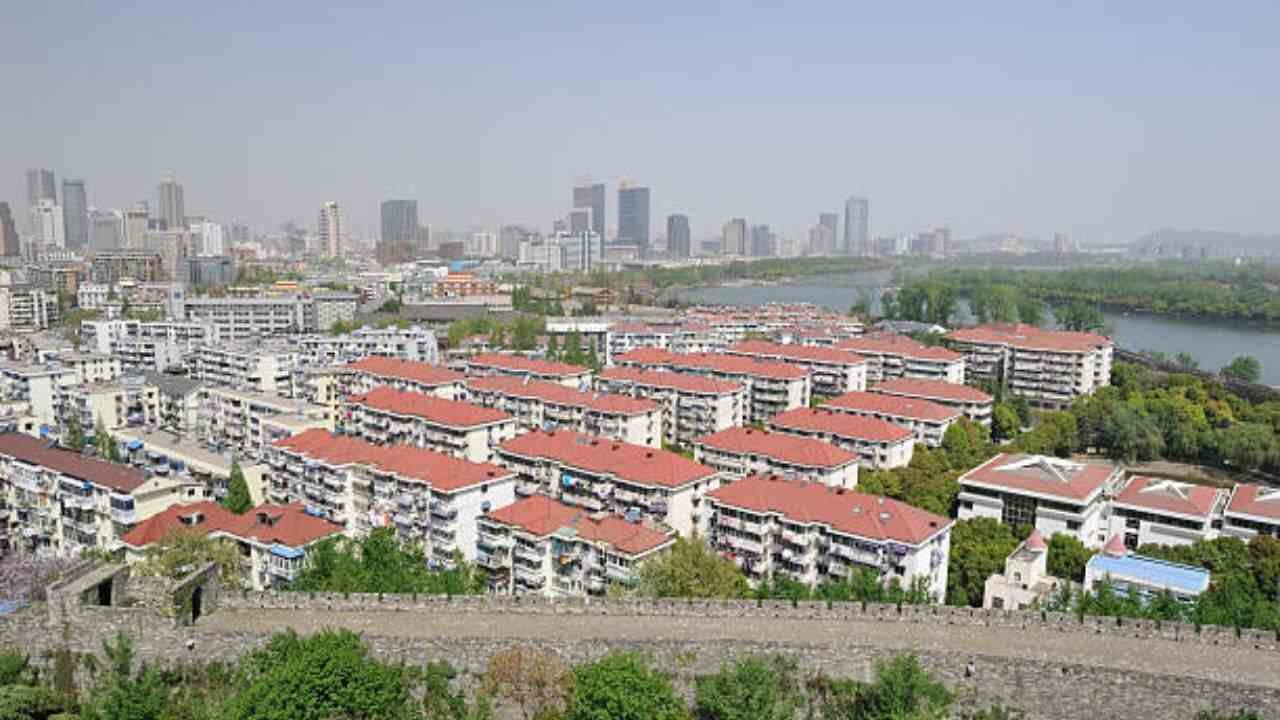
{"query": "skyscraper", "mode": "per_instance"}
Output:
(173, 212)
(332, 230)
(678, 238)
(831, 221)
(856, 239)
(581, 219)
(763, 243)
(135, 228)
(821, 239)
(733, 237)
(46, 224)
(399, 225)
(592, 196)
(9, 242)
(633, 216)
(40, 186)
(75, 214)
(106, 230)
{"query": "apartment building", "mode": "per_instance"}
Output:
(154, 346)
(601, 475)
(542, 546)
(415, 344)
(28, 308)
(832, 371)
(740, 452)
(926, 420)
(489, 364)
(177, 400)
(879, 445)
(386, 416)
(772, 527)
(129, 402)
(42, 385)
(361, 376)
(321, 311)
(771, 387)
(246, 423)
(272, 539)
(428, 498)
(60, 503)
(167, 299)
(1252, 510)
(542, 405)
(692, 406)
(165, 453)
(1050, 368)
(890, 356)
(1051, 494)
(111, 266)
(976, 405)
(272, 368)
(1165, 512)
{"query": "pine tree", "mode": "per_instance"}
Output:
(553, 348)
(237, 499)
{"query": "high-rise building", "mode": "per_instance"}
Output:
(399, 224)
(208, 238)
(591, 196)
(40, 186)
(581, 220)
(46, 225)
(763, 242)
(1062, 244)
(106, 230)
(135, 228)
(173, 211)
(9, 241)
(75, 214)
(633, 217)
(831, 221)
(733, 237)
(509, 239)
(856, 239)
(239, 234)
(679, 242)
(332, 230)
(822, 239)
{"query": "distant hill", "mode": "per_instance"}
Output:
(1170, 242)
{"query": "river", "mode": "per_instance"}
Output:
(1213, 343)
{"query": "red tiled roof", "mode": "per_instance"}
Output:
(519, 363)
(289, 524)
(1163, 495)
(419, 372)
(841, 424)
(1256, 500)
(645, 356)
(892, 405)
(121, 478)
(894, 344)
(632, 463)
(561, 395)
(541, 516)
(804, 353)
(1029, 337)
(443, 472)
(673, 380)
(805, 451)
(1035, 541)
(453, 413)
(1038, 474)
(638, 328)
(738, 365)
(932, 390)
(853, 513)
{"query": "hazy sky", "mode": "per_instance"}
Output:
(1104, 121)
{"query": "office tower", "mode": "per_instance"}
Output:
(856, 240)
(239, 233)
(831, 221)
(633, 216)
(46, 225)
(106, 230)
(9, 241)
(581, 220)
(173, 212)
(75, 214)
(678, 238)
(733, 237)
(40, 186)
(174, 247)
(591, 196)
(332, 230)
(136, 222)
(822, 239)
(399, 224)
(208, 238)
(763, 243)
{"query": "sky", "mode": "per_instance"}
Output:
(1103, 120)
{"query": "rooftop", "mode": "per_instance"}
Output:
(266, 524)
(803, 353)
(841, 424)
(632, 463)
(892, 405)
(932, 390)
(1256, 500)
(1029, 337)
(1171, 496)
(419, 372)
(543, 516)
(738, 365)
(1041, 474)
(517, 363)
(556, 393)
(671, 380)
(894, 344)
(1151, 572)
(452, 413)
(804, 451)
(25, 448)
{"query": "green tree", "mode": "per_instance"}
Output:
(181, 550)
(753, 688)
(553, 348)
(691, 569)
(1004, 422)
(901, 690)
(533, 680)
(573, 353)
(74, 437)
(1080, 316)
(979, 547)
(237, 499)
(123, 694)
(30, 702)
(1245, 368)
(620, 686)
(1067, 557)
(379, 563)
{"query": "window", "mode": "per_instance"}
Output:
(1018, 511)
(1073, 525)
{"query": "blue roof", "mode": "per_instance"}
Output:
(1161, 574)
(286, 552)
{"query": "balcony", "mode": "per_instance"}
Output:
(530, 554)
(619, 573)
(78, 501)
(491, 540)
(124, 517)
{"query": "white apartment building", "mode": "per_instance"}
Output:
(692, 406)
(1159, 511)
(541, 546)
(386, 416)
(360, 377)
(62, 503)
(772, 387)
(833, 371)
(430, 499)
(43, 385)
(976, 405)
(926, 420)
(741, 451)
(414, 344)
(486, 365)
(891, 356)
(1050, 368)
(1252, 510)
(879, 445)
(541, 405)
(129, 402)
(809, 532)
(598, 475)
(246, 423)
(1050, 494)
(157, 346)
(27, 308)
(249, 318)
(272, 368)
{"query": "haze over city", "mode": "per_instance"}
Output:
(1102, 123)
